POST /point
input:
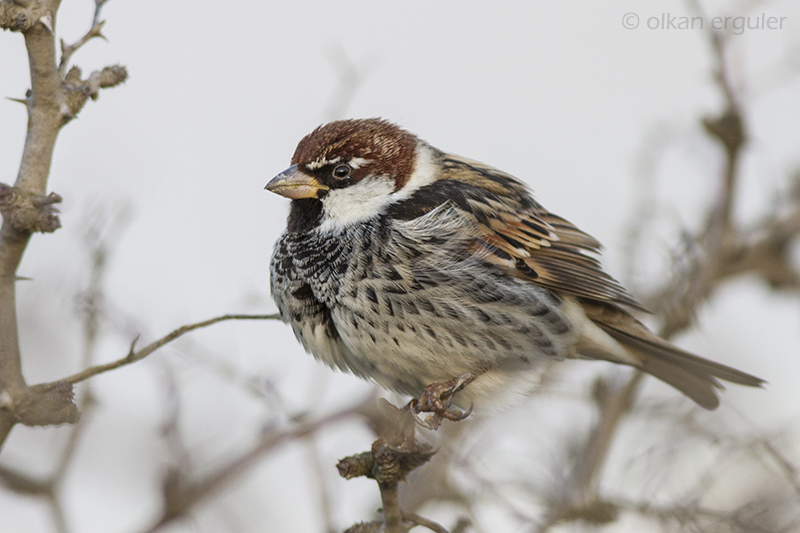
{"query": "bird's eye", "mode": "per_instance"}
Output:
(341, 172)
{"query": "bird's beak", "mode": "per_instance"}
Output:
(292, 183)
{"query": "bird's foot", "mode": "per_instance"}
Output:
(436, 399)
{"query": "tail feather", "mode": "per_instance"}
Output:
(694, 376)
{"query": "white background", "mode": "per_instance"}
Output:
(557, 93)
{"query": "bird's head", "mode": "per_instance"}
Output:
(347, 171)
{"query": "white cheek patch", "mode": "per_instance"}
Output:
(369, 197)
(356, 203)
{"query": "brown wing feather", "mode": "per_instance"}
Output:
(536, 245)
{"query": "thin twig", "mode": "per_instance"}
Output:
(67, 50)
(133, 357)
(97, 9)
(323, 494)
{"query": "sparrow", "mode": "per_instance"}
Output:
(442, 278)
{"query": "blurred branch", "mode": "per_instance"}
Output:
(91, 307)
(721, 252)
(181, 496)
(789, 470)
(424, 522)
(351, 77)
(581, 491)
(319, 481)
(690, 514)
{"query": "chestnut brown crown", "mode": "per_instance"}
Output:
(367, 146)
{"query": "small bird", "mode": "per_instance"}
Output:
(442, 278)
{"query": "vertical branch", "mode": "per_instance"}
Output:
(590, 463)
(727, 128)
(351, 77)
(44, 116)
(44, 122)
(323, 495)
(26, 209)
(98, 7)
(677, 306)
(392, 517)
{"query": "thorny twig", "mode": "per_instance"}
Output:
(68, 49)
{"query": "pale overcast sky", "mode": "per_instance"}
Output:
(560, 94)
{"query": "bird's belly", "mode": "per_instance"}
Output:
(408, 354)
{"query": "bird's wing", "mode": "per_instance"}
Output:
(522, 236)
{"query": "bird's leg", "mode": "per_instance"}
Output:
(436, 398)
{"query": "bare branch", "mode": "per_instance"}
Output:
(723, 253)
(30, 209)
(790, 471)
(392, 457)
(77, 91)
(180, 498)
(97, 9)
(424, 522)
(43, 126)
(392, 516)
(68, 49)
(133, 357)
(22, 15)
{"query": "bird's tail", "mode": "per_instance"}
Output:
(694, 376)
